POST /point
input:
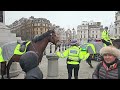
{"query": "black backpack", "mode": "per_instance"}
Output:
(100, 65)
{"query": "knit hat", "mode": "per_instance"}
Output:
(110, 50)
(28, 61)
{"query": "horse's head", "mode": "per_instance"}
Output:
(53, 37)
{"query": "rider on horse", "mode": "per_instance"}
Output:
(105, 37)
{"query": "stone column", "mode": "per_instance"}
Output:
(52, 72)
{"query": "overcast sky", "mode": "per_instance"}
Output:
(65, 19)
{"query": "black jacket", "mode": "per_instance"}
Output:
(29, 64)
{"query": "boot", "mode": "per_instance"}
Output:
(76, 77)
(91, 66)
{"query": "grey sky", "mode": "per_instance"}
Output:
(65, 19)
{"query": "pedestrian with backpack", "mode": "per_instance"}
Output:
(109, 67)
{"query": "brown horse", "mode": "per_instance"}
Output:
(38, 45)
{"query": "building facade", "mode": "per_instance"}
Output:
(28, 28)
(117, 24)
(68, 36)
(112, 31)
(89, 31)
(60, 33)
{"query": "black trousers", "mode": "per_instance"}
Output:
(107, 43)
(88, 60)
(70, 67)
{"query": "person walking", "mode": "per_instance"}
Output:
(109, 67)
(29, 64)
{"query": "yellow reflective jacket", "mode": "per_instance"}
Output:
(72, 53)
(1, 57)
(105, 35)
(84, 53)
(17, 49)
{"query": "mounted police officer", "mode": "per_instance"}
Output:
(73, 59)
(105, 37)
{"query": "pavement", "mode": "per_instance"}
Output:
(85, 72)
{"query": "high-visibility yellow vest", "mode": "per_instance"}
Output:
(84, 54)
(105, 35)
(1, 57)
(17, 49)
(71, 53)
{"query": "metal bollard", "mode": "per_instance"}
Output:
(52, 72)
(50, 48)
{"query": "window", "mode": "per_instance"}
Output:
(115, 31)
(84, 36)
(43, 24)
(96, 36)
(38, 24)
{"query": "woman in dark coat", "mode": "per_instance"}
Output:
(29, 64)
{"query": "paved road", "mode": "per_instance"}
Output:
(85, 71)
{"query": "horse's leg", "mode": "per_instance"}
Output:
(3, 69)
(8, 68)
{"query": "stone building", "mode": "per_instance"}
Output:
(60, 33)
(28, 28)
(89, 31)
(117, 24)
(68, 36)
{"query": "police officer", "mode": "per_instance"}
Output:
(73, 58)
(105, 37)
(84, 52)
(92, 51)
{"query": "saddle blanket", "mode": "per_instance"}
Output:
(8, 50)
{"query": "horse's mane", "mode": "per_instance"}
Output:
(41, 37)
